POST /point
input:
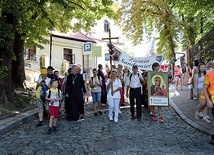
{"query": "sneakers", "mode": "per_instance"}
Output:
(196, 115)
(50, 130)
(82, 117)
(116, 120)
(206, 120)
(133, 117)
(207, 117)
(212, 139)
(201, 114)
(161, 119)
(110, 119)
(139, 120)
(100, 112)
(154, 118)
(54, 128)
(39, 124)
(95, 114)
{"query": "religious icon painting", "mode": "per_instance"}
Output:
(158, 90)
(116, 56)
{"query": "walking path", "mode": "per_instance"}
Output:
(178, 100)
(186, 108)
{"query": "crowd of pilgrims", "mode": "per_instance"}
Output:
(116, 88)
(119, 87)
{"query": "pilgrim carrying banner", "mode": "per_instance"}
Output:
(144, 63)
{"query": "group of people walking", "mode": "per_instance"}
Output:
(201, 88)
(111, 88)
(114, 88)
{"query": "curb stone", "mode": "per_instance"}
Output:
(10, 123)
(187, 120)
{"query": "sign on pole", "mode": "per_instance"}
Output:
(87, 48)
(96, 51)
(107, 57)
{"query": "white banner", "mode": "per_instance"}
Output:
(121, 57)
(158, 101)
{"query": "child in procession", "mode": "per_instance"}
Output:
(53, 97)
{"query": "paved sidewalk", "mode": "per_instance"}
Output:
(186, 108)
(14, 120)
(178, 100)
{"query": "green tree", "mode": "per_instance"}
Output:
(26, 22)
(196, 18)
(141, 18)
(175, 21)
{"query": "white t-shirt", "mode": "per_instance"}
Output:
(96, 88)
(84, 76)
(47, 80)
(194, 70)
(135, 80)
(190, 86)
(116, 84)
(65, 80)
(200, 82)
(53, 96)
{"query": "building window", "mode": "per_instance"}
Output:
(30, 54)
(69, 56)
(106, 26)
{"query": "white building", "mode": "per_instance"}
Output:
(63, 51)
(67, 49)
(100, 33)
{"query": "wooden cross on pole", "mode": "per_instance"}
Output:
(110, 45)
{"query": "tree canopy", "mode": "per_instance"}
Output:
(35, 17)
(175, 21)
(27, 22)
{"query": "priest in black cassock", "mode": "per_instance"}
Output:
(74, 90)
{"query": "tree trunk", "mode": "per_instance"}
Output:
(173, 56)
(6, 87)
(18, 71)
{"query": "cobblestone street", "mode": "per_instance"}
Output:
(96, 135)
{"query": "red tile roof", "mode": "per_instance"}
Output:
(79, 36)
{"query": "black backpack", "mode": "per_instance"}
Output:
(138, 77)
(98, 78)
(49, 95)
(131, 76)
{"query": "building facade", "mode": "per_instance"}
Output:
(63, 51)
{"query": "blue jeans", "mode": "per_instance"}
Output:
(96, 96)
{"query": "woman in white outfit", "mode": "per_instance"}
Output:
(113, 86)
